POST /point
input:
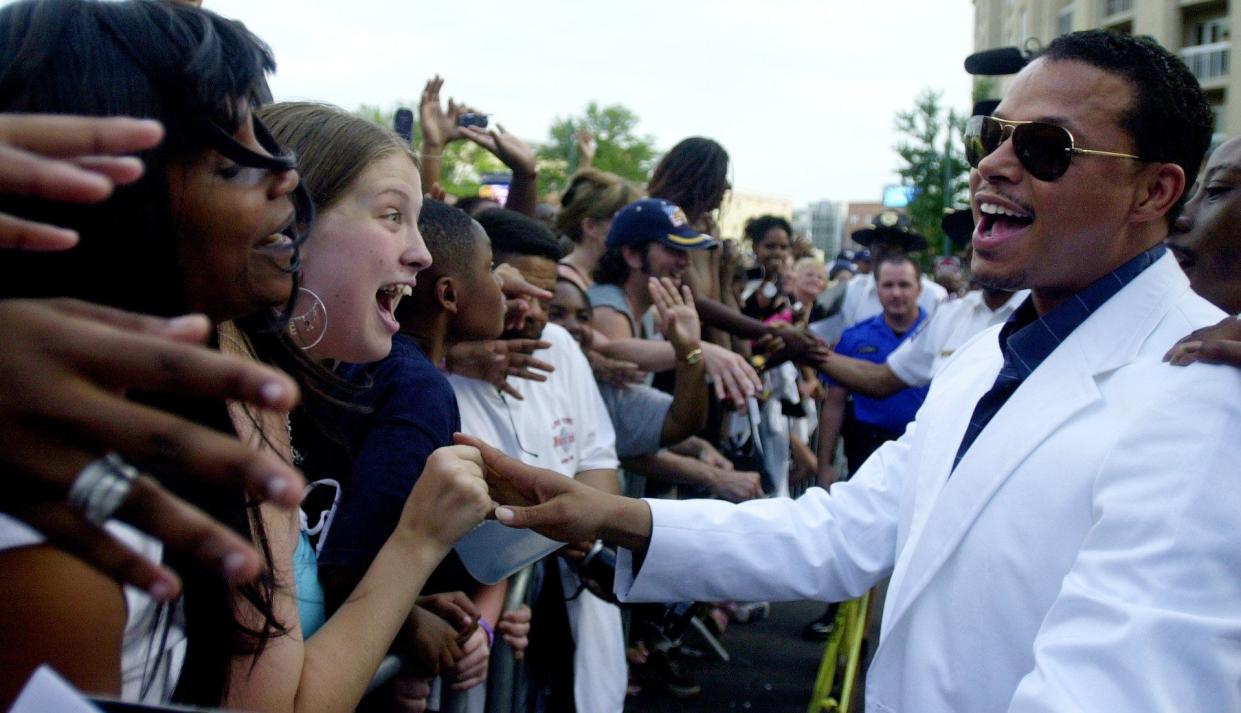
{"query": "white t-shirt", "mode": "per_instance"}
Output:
(562, 425)
(145, 654)
(921, 356)
(862, 298)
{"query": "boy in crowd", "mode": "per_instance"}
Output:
(560, 424)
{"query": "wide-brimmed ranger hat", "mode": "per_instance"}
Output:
(656, 220)
(959, 226)
(891, 226)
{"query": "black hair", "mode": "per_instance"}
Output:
(473, 204)
(693, 175)
(195, 72)
(1170, 120)
(189, 68)
(613, 269)
(577, 287)
(756, 228)
(449, 235)
(512, 234)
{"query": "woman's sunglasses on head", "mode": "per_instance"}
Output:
(1044, 150)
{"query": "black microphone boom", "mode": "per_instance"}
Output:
(999, 61)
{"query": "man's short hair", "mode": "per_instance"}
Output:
(896, 259)
(449, 236)
(512, 234)
(1170, 120)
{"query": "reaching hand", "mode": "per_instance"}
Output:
(439, 128)
(450, 497)
(512, 151)
(712, 457)
(494, 361)
(733, 376)
(1218, 344)
(64, 368)
(737, 485)
(619, 374)
(676, 315)
(433, 646)
(518, 291)
(65, 158)
(455, 608)
(555, 506)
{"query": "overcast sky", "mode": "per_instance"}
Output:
(802, 93)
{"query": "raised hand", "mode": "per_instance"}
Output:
(438, 126)
(64, 367)
(586, 148)
(65, 158)
(512, 151)
(675, 313)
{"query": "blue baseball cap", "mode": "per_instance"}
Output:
(656, 220)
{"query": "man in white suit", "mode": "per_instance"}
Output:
(1059, 522)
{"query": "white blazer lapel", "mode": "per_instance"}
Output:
(1063, 385)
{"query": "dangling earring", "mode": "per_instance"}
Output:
(308, 327)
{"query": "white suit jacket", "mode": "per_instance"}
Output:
(1084, 556)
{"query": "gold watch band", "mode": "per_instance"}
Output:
(693, 357)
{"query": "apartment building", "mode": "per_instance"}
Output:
(1197, 30)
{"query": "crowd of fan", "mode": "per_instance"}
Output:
(279, 289)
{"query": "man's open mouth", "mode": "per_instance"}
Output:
(998, 220)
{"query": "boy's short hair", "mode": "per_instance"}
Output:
(448, 233)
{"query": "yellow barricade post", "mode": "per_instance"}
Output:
(841, 658)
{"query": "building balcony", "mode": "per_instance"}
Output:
(1209, 63)
(1116, 7)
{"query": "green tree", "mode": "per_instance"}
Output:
(619, 148)
(933, 163)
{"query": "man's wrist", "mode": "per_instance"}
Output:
(627, 522)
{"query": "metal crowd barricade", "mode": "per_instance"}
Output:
(838, 670)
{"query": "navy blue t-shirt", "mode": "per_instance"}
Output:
(873, 340)
(412, 412)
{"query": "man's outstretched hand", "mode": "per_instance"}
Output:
(559, 507)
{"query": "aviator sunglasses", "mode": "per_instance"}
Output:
(1044, 150)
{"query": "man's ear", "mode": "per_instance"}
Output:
(633, 258)
(446, 293)
(1159, 188)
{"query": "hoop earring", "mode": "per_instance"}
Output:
(304, 327)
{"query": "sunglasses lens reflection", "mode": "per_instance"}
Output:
(1043, 149)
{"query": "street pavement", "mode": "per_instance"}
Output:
(772, 670)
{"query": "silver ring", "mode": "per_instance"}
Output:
(100, 488)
